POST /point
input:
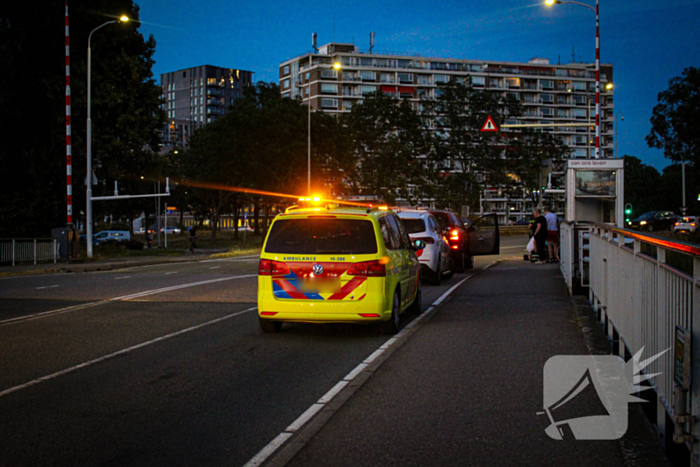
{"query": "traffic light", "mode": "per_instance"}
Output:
(628, 212)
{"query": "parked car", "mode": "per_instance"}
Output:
(686, 224)
(341, 265)
(106, 235)
(171, 230)
(435, 259)
(527, 220)
(481, 238)
(654, 220)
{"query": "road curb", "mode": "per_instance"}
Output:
(301, 438)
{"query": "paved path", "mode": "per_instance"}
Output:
(467, 387)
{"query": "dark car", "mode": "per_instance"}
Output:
(654, 220)
(480, 238)
(525, 221)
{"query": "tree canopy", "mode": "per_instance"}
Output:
(126, 111)
(676, 118)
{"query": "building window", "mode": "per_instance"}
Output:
(423, 79)
(578, 86)
(441, 79)
(329, 74)
(579, 100)
(386, 77)
(367, 90)
(285, 84)
(368, 76)
(286, 70)
(327, 88)
(406, 78)
(547, 84)
(513, 82)
(547, 98)
(211, 81)
(579, 114)
(347, 105)
(329, 103)
(478, 81)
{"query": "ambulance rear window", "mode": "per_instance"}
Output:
(322, 237)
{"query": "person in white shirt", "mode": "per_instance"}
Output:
(552, 235)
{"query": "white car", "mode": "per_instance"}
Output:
(686, 224)
(170, 230)
(435, 259)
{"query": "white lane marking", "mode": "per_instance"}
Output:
(303, 418)
(215, 267)
(121, 352)
(512, 247)
(374, 355)
(327, 397)
(178, 287)
(121, 277)
(268, 450)
(180, 263)
(171, 272)
(356, 371)
(47, 287)
(452, 289)
(124, 298)
(276, 443)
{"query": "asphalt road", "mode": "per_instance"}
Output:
(162, 365)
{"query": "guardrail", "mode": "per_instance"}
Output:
(642, 287)
(21, 250)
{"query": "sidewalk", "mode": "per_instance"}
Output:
(467, 387)
(105, 264)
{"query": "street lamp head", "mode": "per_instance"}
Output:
(123, 19)
(550, 2)
(609, 86)
(337, 65)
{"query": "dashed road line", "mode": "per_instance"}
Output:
(47, 287)
(120, 352)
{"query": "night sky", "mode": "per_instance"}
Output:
(648, 42)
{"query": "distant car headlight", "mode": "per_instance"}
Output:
(643, 223)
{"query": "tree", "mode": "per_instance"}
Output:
(125, 109)
(529, 155)
(643, 187)
(464, 152)
(389, 136)
(676, 118)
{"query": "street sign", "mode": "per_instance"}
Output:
(489, 125)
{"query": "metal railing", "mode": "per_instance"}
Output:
(642, 286)
(23, 250)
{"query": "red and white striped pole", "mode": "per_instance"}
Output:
(69, 162)
(597, 81)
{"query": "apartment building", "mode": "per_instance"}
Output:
(194, 97)
(338, 76)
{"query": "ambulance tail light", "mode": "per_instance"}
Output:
(272, 268)
(374, 268)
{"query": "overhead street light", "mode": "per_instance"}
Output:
(88, 194)
(597, 64)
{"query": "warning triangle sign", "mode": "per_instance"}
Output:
(489, 125)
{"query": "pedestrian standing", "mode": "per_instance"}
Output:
(552, 235)
(540, 236)
(149, 238)
(193, 236)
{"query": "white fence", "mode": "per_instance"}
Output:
(22, 250)
(643, 286)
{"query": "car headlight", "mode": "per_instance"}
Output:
(643, 223)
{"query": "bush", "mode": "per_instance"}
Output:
(133, 245)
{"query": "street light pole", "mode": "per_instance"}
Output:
(597, 65)
(308, 104)
(88, 192)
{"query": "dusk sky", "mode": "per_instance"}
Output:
(648, 42)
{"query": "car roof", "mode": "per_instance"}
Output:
(333, 210)
(413, 213)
